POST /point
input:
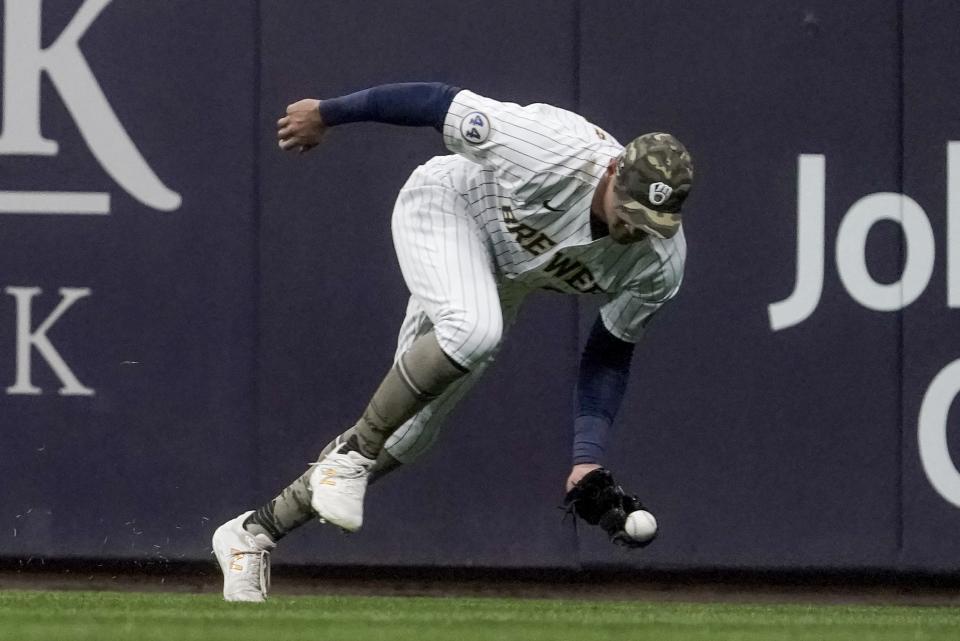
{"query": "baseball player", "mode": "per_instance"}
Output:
(532, 197)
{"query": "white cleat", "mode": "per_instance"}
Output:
(244, 560)
(337, 486)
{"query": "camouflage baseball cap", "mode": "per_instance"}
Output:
(653, 177)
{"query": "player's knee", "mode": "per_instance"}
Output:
(474, 338)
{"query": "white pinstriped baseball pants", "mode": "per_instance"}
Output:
(448, 268)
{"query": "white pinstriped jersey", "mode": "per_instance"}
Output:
(528, 175)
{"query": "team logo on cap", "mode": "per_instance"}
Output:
(475, 127)
(659, 192)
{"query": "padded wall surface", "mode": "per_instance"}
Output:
(188, 314)
(930, 493)
(772, 448)
(159, 428)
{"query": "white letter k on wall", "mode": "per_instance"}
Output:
(23, 62)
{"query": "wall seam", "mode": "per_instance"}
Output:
(257, 216)
(901, 47)
(577, 303)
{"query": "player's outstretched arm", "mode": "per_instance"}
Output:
(601, 383)
(592, 493)
(413, 104)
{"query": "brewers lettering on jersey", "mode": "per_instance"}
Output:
(531, 197)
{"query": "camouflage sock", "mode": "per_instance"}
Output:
(421, 374)
(291, 508)
(288, 511)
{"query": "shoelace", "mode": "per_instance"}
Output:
(353, 471)
(351, 468)
(264, 573)
(346, 467)
(263, 569)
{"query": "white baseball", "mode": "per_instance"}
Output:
(640, 526)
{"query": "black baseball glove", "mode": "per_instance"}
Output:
(598, 500)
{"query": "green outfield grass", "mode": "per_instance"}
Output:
(106, 616)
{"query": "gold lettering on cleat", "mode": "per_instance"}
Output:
(236, 565)
(329, 473)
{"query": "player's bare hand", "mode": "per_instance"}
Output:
(302, 128)
(579, 471)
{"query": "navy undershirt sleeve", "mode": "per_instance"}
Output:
(602, 381)
(413, 104)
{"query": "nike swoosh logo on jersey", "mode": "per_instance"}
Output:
(546, 204)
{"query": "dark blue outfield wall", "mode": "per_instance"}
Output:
(187, 314)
